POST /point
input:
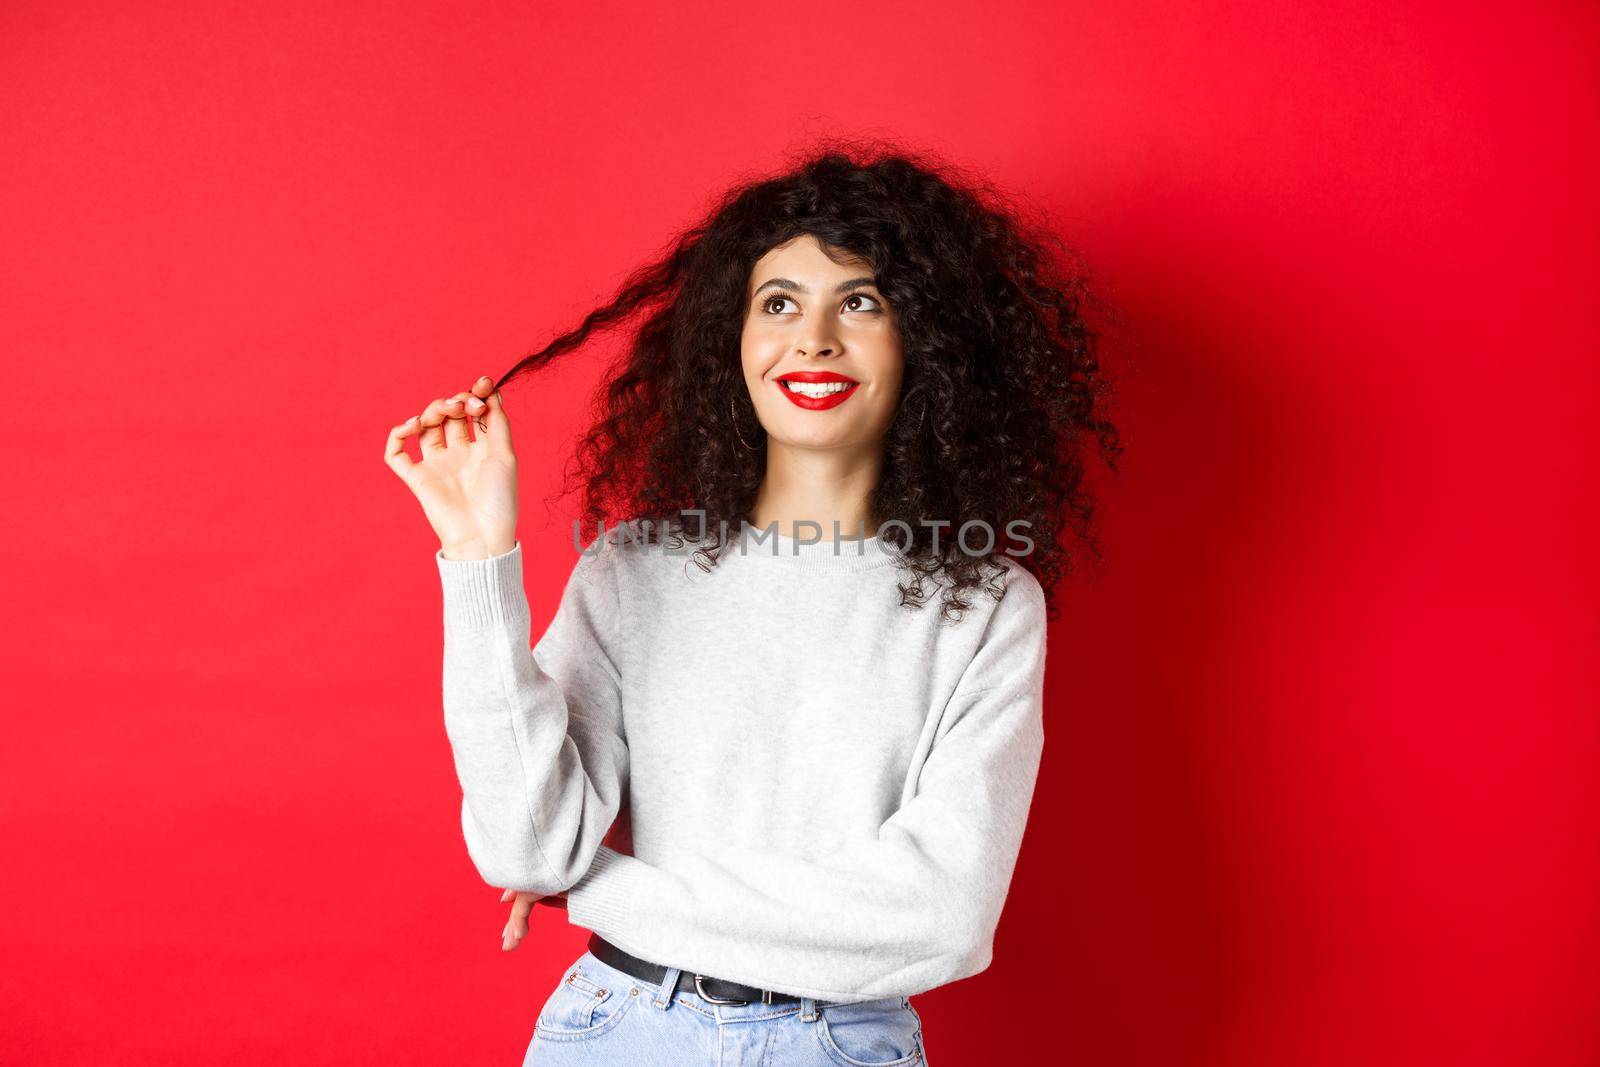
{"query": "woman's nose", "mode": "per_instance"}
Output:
(818, 342)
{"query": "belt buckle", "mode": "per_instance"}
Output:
(698, 988)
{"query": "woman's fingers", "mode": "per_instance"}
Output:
(516, 927)
(519, 915)
(505, 898)
(443, 423)
(477, 410)
(394, 453)
(432, 421)
(455, 427)
(493, 422)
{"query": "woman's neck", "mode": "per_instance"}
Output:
(823, 486)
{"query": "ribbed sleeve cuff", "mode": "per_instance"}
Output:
(481, 592)
(609, 895)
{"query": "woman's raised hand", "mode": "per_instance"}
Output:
(467, 487)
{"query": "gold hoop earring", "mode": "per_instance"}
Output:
(736, 429)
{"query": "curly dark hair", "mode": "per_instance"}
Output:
(1001, 387)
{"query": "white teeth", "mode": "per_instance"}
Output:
(816, 390)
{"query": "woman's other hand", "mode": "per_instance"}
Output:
(517, 927)
(467, 487)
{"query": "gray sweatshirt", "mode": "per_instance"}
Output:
(827, 791)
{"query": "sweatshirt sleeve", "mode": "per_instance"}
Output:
(905, 911)
(536, 735)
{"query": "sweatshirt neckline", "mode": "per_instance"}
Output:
(829, 554)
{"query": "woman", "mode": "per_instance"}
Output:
(857, 387)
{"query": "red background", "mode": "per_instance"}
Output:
(1319, 779)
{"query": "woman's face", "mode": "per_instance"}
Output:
(825, 327)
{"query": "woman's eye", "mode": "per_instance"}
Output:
(853, 302)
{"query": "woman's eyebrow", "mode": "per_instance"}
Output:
(785, 283)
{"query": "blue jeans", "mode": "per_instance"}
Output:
(600, 1015)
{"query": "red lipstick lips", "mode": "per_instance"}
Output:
(818, 403)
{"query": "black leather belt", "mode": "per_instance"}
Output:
(714, 990)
